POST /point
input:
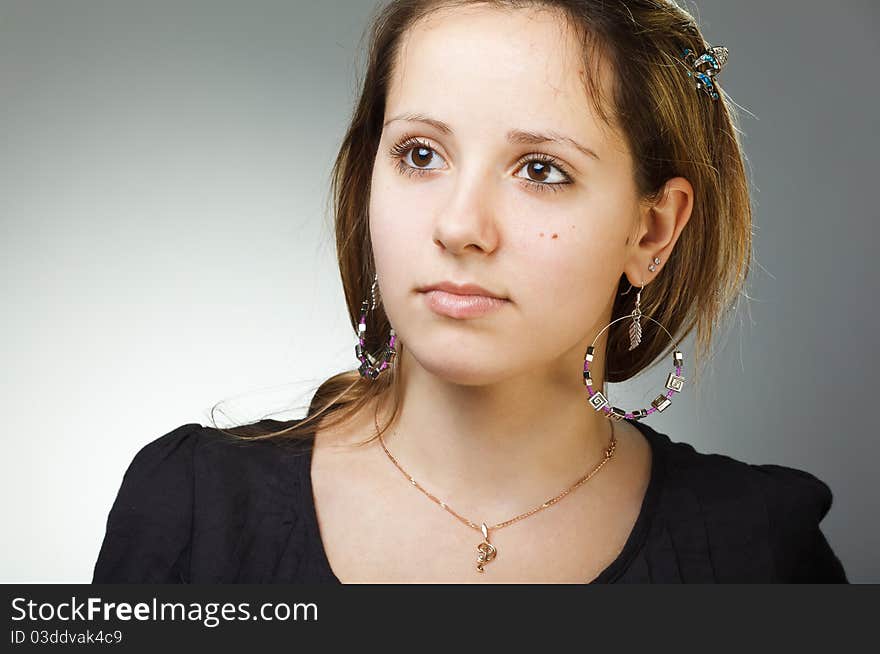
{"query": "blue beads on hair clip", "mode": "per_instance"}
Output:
(705, 67)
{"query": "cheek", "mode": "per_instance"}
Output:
(567, 268)
(382, 216)
(557, 267)
(393, 231)
(394, 208)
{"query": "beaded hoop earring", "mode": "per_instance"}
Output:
(371, 367)
(674, 381)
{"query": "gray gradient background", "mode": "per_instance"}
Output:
(165, 245)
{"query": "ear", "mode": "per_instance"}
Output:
(660, 226)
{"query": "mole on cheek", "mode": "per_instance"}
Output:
(556, 236)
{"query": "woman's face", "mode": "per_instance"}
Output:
(473, 199)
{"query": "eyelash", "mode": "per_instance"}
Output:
(399, 150)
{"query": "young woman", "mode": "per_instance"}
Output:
(533, 199)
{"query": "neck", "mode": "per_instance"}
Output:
(497, 449)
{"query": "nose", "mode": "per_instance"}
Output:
(468, 219)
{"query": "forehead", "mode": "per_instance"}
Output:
(508, 68)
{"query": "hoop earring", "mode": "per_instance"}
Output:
(674, 382)
(372, 366)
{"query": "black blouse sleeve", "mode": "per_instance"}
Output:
(148, 528)
(796, 502)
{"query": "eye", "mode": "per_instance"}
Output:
(422, 155)
(538, 165)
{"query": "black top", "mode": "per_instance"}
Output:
(198, 506)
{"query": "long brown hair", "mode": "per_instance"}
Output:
(671, 129)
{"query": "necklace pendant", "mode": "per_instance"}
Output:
(486, 550)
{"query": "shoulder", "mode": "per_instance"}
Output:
(768, 512)
(159, 474)
(795, 495)
(192, 448)
(193, 480)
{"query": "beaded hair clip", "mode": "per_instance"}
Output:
(705, 67)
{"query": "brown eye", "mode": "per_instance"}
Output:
(413, 157)
(538, 171)
(422, 156)
(544, 173)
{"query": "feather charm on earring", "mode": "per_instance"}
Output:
(635, 329)
(635, 334)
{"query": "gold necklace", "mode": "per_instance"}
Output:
(486, 551)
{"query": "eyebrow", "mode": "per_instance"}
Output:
(513, 136)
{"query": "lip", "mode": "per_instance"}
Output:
(461, 289)
(454, 305)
